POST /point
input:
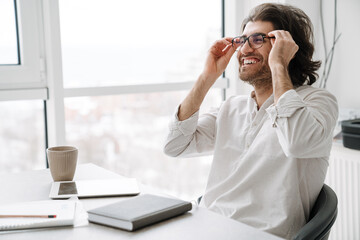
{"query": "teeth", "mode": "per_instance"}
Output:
(249, 61)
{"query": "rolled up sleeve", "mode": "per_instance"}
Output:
(194, 136)
(304, 125)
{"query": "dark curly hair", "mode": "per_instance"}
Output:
(302, 69)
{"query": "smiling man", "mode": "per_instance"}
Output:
(271, 149)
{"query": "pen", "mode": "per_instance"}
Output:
(27, 216)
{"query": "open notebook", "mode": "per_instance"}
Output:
(64, 211)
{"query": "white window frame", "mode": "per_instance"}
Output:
(28, 74)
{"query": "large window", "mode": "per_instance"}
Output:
(133, 46)
(112, 74)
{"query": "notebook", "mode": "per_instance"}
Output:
(64, 211)
(138, 212)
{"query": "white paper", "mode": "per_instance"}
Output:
(64, 211)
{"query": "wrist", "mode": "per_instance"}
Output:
(281, 81)
(193, 100)
(205, 81)
(280, 74)
(278, 68)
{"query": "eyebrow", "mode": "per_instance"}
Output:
(257, 33)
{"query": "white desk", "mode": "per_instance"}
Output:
(198, 224)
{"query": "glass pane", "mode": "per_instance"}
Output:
(111, 42)
(126, 134)
(8, 34)
(22, 136)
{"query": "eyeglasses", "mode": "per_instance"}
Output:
(255, 41)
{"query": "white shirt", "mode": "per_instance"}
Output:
(269, 164)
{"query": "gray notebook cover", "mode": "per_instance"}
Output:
(138, 212)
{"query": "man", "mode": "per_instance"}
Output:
(271, 149)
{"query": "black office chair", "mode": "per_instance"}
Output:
(322, 217)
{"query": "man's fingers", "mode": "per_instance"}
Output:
(280, 35)
(222, 46)
(284, 46)
(224, 42)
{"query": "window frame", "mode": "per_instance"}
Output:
(39, 76)
(29, 74)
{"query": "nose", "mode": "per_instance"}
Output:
(246, 48)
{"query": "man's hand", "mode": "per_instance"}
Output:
(218, 58)
(283, 51)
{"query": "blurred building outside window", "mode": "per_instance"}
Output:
(136, 42)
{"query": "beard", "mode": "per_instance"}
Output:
(259, 78)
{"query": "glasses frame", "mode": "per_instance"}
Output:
(247, 39)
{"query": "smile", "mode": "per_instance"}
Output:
(249, 61)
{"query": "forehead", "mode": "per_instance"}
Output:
(257, 27)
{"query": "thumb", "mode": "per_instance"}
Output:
(229, 51)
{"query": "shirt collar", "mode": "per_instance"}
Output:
(266, 104)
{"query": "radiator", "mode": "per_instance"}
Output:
(343, 177)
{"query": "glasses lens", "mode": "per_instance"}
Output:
(256, 40)
(242, 41)
(236, 41)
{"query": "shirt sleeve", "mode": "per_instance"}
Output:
(304, 125)
(194, 136)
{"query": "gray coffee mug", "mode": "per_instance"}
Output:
(62, 162)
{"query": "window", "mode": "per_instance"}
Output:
(8, 32)
(111, 83)
(22, 89)
(22, 136)
(126, 133)
(21, 49)
(111, 42)
(126, 66)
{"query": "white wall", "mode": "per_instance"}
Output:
(344, 80)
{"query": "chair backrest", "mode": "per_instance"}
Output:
(322, 217)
